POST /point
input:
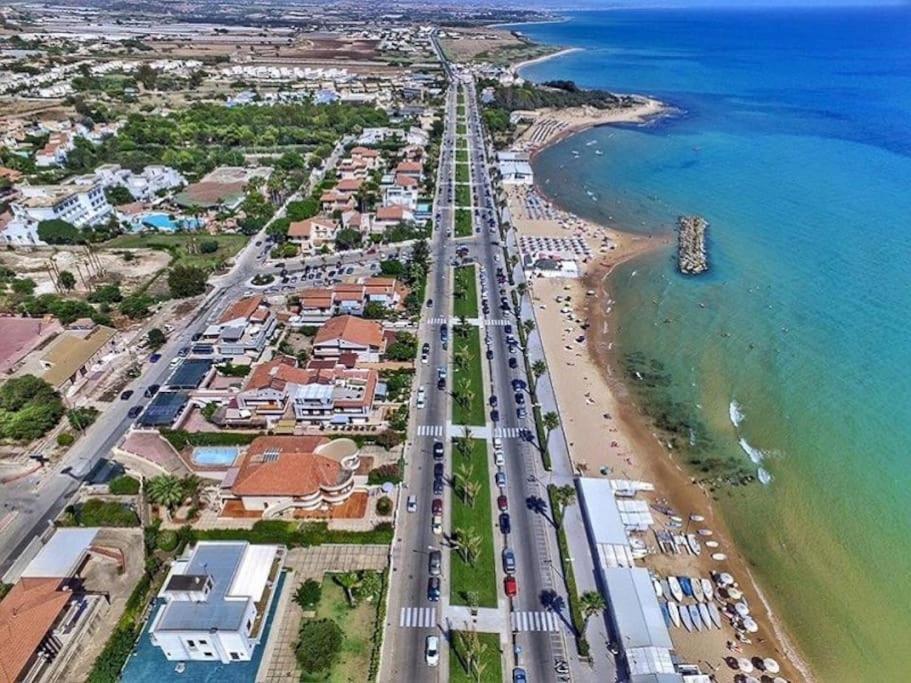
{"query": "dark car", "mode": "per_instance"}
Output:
(493, 400)
(126, 395)
(184, 350)
(502, 503)
(519, 384)
(437, 450)
(495, 415)
(155, 357)
(433, 589)
(519, 676)
(520, 398)
(441, 383)
(507, 329)
(505, 525)
(438, 487)
(134, 412)
(513, 363)
(196, 337)
(489, 354)
(436, 507)
(429, 303)
(438, 470)
(151, 390)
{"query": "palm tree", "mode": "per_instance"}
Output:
(521, 288)
(551, 421)
(166, 490)
(473, 651)
(562, 496)
(472, 544)
(529, 325)
(592, 604)
(463, 475)
(470, 490)
(538, 368)
(463, 446)
(462, 358)
(192, 486)
(348, 581)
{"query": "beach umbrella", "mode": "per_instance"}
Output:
(745, 665)
(770, 665)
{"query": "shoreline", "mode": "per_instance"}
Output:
(543, 58)
(632, 431)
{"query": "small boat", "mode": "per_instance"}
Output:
(742, 609)
(674, 612)
(719, 557)
(677, 520)
(711, 544)
(693, 544)
(705, 532)
(665, 612)
(676, 590)
(666, 589)
(686, 618)
(697, 589)
(714, 614)
(180, 667)
(724, 579)
(707, 589)
(659, 591)
(696, 518)
(704, 613)
(750, 625)
(685, 585)
(734, 593)
(694, 616)
(598, 152)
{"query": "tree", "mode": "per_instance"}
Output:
(392, 268)
(371, 586)
(136, 306)
(66, 280)
(186, 281)
(562, 496)
(157, 339)
(29, 408)
(376, 310)
(468, 544)
(346, 239)
(319, 645)
(308, 594)
(592, 604)
(82, 418)
(538, 368)
(551, 421)
(166, 490)
(349, 581)
(278, 230)
(472, 650)
(118, 195)
(57, 231)
(529, 325)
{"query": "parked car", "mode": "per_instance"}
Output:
(151, 390)
(420, 398)
(435, 563)
(438, 487)
(495, 415)
(436, 524)
(513, 363)
(436, 507)
(511, 586)
(412, 503)
(155, 357)
(520, 398)
(509, 561)
(521, 413)
(126, 395)
(519, 676)
(432, 650)
(438, 470)
(433, 589)
(500, 479)
(519, 385)
(505, 524)
(493, 400)
(502, 503)
(134, 412)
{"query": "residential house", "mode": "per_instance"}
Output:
(403, 191)
(333, 200)
(350, 334)
(370, 158)
(216, 598)
(243, 330)
(317, 305)
(390, 216)
(70, 355)
(412, 169)
(312, 233)
(55, 150)
(280, 391)
(355, 220)
(284, 473)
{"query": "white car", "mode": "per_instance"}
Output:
(436, 525)
(421, 397)
(498, 457)
(432, 650)
(412, 503)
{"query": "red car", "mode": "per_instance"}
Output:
(510, 586)
(437, 506)
(502, 503)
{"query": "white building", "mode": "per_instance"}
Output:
(515, 168)
(143, 186)
(216, 600)
(80, 205)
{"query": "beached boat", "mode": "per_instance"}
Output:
(666, 589)
(750, 625)
(674, 612)
(705, 532)
(714, 614)
(719, 557)
(704, 614)
(707, 589)
(711, 544)
(659, 591)
(694, 617)
(693, 544)
(742, 609)
(676, 590)
(685, 585)
(724, 579)
(666, 613)
(686, 618)
(697, 589)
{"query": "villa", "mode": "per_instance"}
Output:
(319, 304)
(243, 330)
(313, 233)
(348, 334)
(216, 598)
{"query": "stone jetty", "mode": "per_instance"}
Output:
(692, 257)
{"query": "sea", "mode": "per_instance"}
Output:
(786, 369)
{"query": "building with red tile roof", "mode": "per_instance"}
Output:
(27, 614)
(349, 334)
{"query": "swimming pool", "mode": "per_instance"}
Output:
(215, 456)
(162, 221)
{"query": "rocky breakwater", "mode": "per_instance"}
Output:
(692, 256)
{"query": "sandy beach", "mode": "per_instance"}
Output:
(607, 434)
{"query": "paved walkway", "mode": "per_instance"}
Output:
(279, 662)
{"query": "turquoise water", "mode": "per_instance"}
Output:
(794, 140)
(215, 456)
(162, 221)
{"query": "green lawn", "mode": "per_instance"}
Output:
(461, 174)
(461, 110)
(482, 577)
(462, 155)
(463, 196)
(461, 129)
(463, 223)
(473, 413)
(491, 662)
(183, 247)
(467, 303)
(358, 624)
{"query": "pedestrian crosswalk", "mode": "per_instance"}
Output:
(431, 430)
(497, 322)
(511, 432)
(418, 617)
(437, 321)
(534, 621)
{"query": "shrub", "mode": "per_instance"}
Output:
(167, 540)
(208, 246)
(319, 645)
(388, 439)
(97, 512)
(308, 594)
(82, 418)
(123, 486)
(65, 439)
(385, 473)
(186, 281)
(384, 506)
(29, 408)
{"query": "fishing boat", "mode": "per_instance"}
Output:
(676, 590)
(659, 591)
(686, 618)
(750, 625)
(674, 612)
(598, 152)
(666, 613)
(693, 544)
(704, 613)
(685, 585)
(705, 532)
(711, 544)
(719, 557)
(714, 614)
(707, 589)
(742, 609)
(694, 616)
(697, 589)
(666, 589)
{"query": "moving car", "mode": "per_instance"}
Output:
(437, 450)
(435, 563)
(432, 650)
(412, 503)
(135, 412)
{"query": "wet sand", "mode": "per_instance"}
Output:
(608, 433)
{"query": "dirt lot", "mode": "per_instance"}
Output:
(114, 268)
(490, 45)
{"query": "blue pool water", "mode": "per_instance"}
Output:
(215, 456)
(149, 665)
(162, 221)
(795, 142)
